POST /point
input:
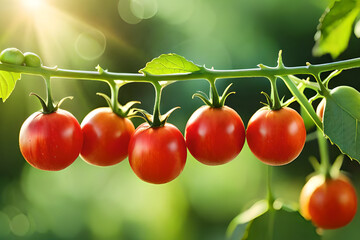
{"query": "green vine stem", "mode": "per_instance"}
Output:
(205, 73)
(270, 197)
(275, 100)
(302, 101)
(156, 121)
(49, 99)
(324, 154)
(214, 95)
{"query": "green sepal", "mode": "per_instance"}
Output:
(44, 105)
(225, 95)
(331, 75)
(336, 166)
(164, 118)
(209, 100)
(124, 111)
(145, 115)
(201, 95)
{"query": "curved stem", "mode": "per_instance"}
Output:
(276, 104)
(114, 88)
(214, 93)
(156, 113)
(303, 101)
(270, 197)
(324, 154)
(49, 99)
(137, 77)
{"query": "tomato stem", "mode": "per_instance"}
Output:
(156, 121)
(214, 95)
(270, 197)
(302, 100)
(275, 100)
(325, 166)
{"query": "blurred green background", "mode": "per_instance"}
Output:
(88, 202)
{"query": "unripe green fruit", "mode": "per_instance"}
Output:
(32, 60)
(12, 56)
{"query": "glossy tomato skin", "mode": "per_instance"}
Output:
(328, 203)
(320, 109)
(215, 136)
(157, 155)
(50, 141)
(276, 137)
(106, 137)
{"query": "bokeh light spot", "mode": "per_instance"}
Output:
(144, 9)
(90, 45)
(20, 225)
(126, 13)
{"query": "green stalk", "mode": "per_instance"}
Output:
(214, 93)
(49, 100)
(138, 77)
(114, 89)
(276, 104)
(324, 154)
(303, 101)
(156, 112)
(270, 197)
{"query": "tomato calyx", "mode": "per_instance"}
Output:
(150, 118)
(48, 106)
(214, 101)
(124, 111)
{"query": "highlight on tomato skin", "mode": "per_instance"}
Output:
(329, 203)
(276, 137)
(106, 137)
(157, 154)
(51, 141)
(215, 136)
(320, 109)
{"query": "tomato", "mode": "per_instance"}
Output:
(276, 137)
(157, 155)
(214, 136)
(328, 203)
(106, 137)
(50, 141)
(320, 109)
(12, 56)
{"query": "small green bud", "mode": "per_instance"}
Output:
(12, 56)
(32, 60)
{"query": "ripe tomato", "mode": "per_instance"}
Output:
(157, 155)
(106, 137)
(215, 136)
(328, 203)
(51, 141)
(276, 137)
(320, 109)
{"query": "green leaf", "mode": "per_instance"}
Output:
(281, 224)
(335, 27)
(341, 120)
(169, 64)
(7, 83)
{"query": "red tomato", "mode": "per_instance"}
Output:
(106, 137)
(215, 136)
(51, 141)
(320, 109)
(328, 203)
(276, 137)
(157, 155)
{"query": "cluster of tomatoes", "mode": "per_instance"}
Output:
(213, 136)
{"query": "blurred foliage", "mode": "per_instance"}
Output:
(87, 202)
